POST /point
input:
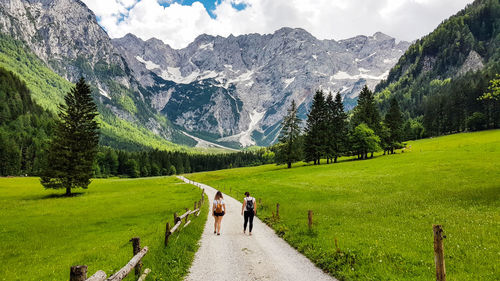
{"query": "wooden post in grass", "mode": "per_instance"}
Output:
(136, 248)
(337, 245)
(194, 208)
(187, 215)
(78, 273)
(278, 210)
(176, 218)
(310, 218)
(439, 252)
(167, 233)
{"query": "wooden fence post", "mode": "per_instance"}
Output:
(278, 210)
(194, 208)
(187, 215)
(439, 252)
(167, 233)
(78, 273)
(176, 218)
(310, 218)
(136, 248)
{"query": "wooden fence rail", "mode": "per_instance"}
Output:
(79, 272)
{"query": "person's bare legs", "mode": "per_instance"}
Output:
(219, 224)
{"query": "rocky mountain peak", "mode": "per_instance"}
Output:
(254, 77)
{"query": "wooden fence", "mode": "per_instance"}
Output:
(79, 272)
(438, 242)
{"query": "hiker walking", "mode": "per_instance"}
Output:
(248, 210)
(218, 211)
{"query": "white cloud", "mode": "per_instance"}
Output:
(178, 25)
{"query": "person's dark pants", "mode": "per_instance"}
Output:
(248, 218)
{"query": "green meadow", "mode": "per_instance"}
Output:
(381, 210)
(43, 234)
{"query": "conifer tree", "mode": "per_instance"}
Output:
(340, 131)
(366, 111)
(316, 125)
(74, 145)
(289, 148)
(394, 122)
(330, 128)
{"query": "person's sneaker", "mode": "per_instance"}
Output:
(250, 233)
(218, 233)
(244, 232)
(215, 231)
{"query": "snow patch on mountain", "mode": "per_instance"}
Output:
(245, 137)
(149, 64)
(206, 144)
(103, 93)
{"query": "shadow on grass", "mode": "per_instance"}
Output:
(55, 196)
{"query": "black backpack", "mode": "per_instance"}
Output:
(249, 204)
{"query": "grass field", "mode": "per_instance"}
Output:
(42, 236)
(382, 210)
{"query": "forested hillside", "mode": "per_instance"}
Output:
(438, 81)
(47, 89)
(24, 128)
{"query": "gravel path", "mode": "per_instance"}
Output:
(236, 256)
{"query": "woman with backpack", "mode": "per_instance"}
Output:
(219, 209)
(248, 210)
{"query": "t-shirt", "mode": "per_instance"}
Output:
(248, 199)
(221, 202)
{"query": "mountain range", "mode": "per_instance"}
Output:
(216, 92)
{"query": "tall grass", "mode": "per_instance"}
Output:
(381, 210)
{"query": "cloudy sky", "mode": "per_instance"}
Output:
(178, 22)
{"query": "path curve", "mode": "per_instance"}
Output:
(236, 256)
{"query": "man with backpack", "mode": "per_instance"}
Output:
(248, 210)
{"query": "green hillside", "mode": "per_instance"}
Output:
(25, 128)
(438, 80)
(47, 89)
(48, 234)
(381, 211)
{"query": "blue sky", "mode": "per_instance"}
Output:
(179, 22)
(208, 4)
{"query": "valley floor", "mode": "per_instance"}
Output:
(381, 210)
(43, 235)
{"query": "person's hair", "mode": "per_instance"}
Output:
(247, 194)
(218, 195)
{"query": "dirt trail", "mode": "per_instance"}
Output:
(236, 256)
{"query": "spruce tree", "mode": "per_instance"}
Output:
(394, 122)
(289, 148)
(75, 141)
(316, 125)
(340, 130)
(330, 128)
(366, 111)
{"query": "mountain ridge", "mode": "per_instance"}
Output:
(228, 90)
(255, 65)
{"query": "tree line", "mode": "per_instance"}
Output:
(150, 163)
(330, 132)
